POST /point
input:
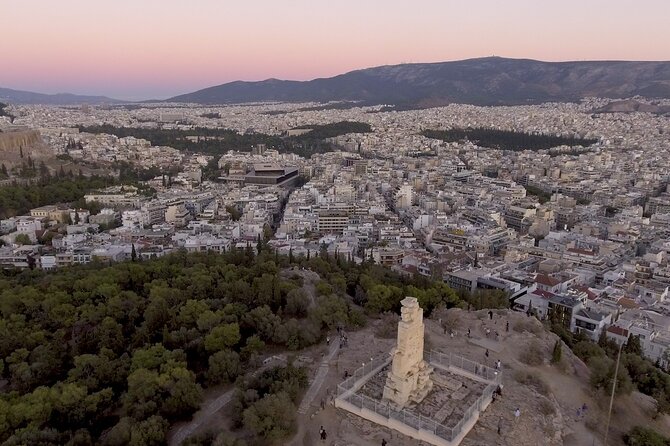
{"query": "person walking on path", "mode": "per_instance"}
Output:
(322, 434)
(384, 443)
(517, 414)
(507, 326)
(486, 353)
(500, 424)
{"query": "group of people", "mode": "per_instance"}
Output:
(581, 411)
(343, 337)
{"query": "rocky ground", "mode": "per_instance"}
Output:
(547, 395)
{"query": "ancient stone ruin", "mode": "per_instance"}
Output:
(435, 397)
(409, 377)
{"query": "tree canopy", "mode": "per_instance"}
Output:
(115, 353)
(506, 139)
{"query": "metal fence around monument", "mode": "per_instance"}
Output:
(346, 391)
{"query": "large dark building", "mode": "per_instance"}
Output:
(266, 174)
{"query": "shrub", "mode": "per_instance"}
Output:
(272, 417)
(644, 436)
(388, 326)
(297, 303)
(530, 325)
(547, 408)
(557, 352)
(533, 355)
(534, 381)
(602, 374)
(587, 350)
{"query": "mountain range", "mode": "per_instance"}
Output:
(29, 97)
(483, 81)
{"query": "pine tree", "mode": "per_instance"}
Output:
(133, 253)
(557, 353)
(3, 169)
(44, 171)
(633, 345)
(602, 338)
(290, 255)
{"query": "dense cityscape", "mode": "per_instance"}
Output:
(580, 230)
(335, 223)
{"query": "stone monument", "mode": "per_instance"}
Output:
(409, 380)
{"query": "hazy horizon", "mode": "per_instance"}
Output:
(158, 49)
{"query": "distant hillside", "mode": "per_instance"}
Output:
(29, 97)
(485, 81)
(631, 106)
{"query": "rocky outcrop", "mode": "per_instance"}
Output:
(18, 143)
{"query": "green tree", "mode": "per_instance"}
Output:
(150, 432)
(224, 366)
(22, 239)
(271, 418)
(602, 375)
(557, 352)
(297, 303)
(222, 337)
(644, 436)
(633, 345)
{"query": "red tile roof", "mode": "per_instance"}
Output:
(546, 280)
(618, 330)
(628, 303)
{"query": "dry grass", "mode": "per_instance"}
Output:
(533, 355)
(547, 408)
(387, 327)
(530, 325)
(532, 380)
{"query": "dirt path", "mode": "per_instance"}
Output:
(212, 405)
(313, 390)
(206, 412)
(316, 384)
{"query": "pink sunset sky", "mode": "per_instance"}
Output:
(139, 49)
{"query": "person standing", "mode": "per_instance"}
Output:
(322, 434)
(517, 414)
(384, 443)
(500, 423)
